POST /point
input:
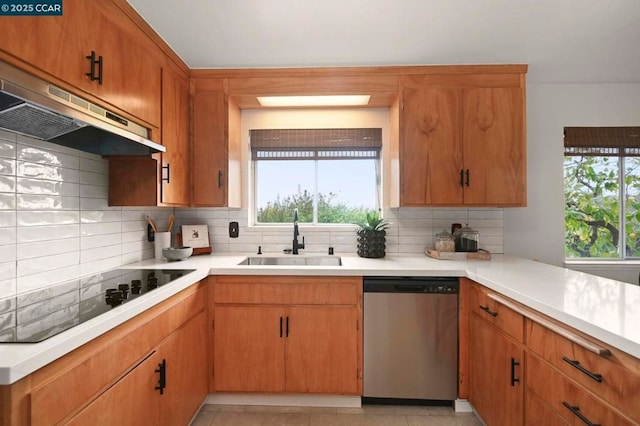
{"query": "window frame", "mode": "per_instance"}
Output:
(313, 145)
(620, 142)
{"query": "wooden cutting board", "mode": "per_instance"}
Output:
(441, 255)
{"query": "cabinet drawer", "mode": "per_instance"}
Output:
(606, 377)
(504, 318)
(568, 399)
(287, 290)
(538, 413)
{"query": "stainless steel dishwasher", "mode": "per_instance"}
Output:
(410, 339)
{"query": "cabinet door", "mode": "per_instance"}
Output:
(175, 137)
(210, 149)
(185, 353)
(57, 45)
(494, 146)
(131, 67)
(248, 350)
(321, 350)
(131, 401)
(431, 148)
(493, 389)
(60, 45)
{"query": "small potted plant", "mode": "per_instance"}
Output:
(372, 236)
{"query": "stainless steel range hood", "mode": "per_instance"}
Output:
(35, 108)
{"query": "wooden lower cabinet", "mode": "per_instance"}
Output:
(525, 368)
(571, 402)
(135, 399)
(539, 413)
(301, 343)
(248, 349)
(321, 350)
(112, 379)
(185, 353)
(131, 401)
(495, 370)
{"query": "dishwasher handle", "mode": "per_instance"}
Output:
(410, 288)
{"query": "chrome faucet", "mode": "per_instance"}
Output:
(296, 244)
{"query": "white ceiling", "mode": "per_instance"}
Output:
(563, 41)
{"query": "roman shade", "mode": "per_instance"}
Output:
(602, 141)
(315, 144)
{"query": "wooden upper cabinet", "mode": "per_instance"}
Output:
(215, 166)
(161, 179)
(59, 46)
(462, 140)
(494, 146)
(174, 184)
(431, 147)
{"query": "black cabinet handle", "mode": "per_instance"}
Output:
(467, 173)
(514, 364)
(576, 411)
(93, 62)
(280, 326)
(489, 311)
(162, 379)
(461, 177)
(576, 364)
(100, 69)
(168, 169)
(287, 327)
(220, 179)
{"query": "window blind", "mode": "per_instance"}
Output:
(602, 141)
(315, 144)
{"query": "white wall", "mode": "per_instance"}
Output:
(55, 224)
(537, 231)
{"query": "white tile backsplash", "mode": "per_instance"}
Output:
(411, 230)
(55, 224)
(7, 201)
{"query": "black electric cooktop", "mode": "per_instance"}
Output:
(35, 316)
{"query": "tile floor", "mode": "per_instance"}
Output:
(369, 415)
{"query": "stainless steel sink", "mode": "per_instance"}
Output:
(293, 260)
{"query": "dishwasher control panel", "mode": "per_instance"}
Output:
(431, 285)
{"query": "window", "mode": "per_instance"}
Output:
(329, 175)
(602, 192)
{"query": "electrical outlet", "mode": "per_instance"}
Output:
(233, 229)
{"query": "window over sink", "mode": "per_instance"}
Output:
(602, 192)
(331, 176)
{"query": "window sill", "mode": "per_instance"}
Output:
(602, 262)
(304, 227)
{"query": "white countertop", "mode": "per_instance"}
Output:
(605, 309)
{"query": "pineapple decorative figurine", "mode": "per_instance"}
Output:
(372, 236)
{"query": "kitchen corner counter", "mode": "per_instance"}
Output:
(606, 309)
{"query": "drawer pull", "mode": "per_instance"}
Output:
(576, 364)
(514, 364)
(578, 340)
(576, 411)
(489, 311)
